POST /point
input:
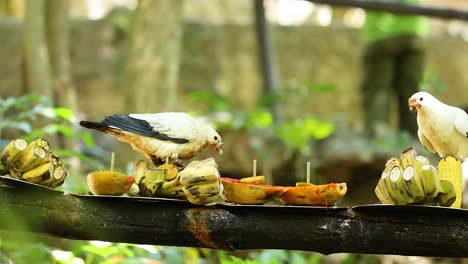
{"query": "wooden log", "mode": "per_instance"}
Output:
(402, 230)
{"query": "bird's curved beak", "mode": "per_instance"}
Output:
(413, 104)
(218, 148)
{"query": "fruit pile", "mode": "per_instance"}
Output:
(32, 162)
(412, 180)
(198, 182)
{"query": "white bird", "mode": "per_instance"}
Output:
(443, 129)
(159, 136)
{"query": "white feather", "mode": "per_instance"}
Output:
(172, 124)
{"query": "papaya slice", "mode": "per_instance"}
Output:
(311, 194)
(241, 192)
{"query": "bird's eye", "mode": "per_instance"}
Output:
(215, 138)
(420, 99)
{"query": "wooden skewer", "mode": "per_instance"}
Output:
(308, 172)
(112, 161)
(254, 169)
(167, 162)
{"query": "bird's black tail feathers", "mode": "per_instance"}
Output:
(95, 125)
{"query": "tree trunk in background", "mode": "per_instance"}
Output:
(153, 61)
(57, 33)
(35, 50)
(5, 7)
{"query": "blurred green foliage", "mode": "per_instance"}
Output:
(431, 83)
(32, 116)
(295, 133)
(20, 113)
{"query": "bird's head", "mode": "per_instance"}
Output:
(214, 140)
(419, 100)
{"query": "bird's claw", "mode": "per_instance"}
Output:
(179, 164)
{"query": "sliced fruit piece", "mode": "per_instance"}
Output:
(238, 192)
(310, 194)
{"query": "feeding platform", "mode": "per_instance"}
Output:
(373, 229)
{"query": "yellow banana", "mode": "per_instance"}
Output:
(150, 180)
(381, 190)
(54, 159)
(174, 191)
(37, 174)
(49, 179)
(199, 172)
(447, 195)
(11, 151)
(407, 157)
(202, 194)
(3, 170)
(30, 158)
(431, 181)
(40, 142)
(34, 155)
(396, 187)
(59, 182)
(139, 169)
(450, 169)
(413, 184)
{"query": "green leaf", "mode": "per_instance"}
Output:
(269, 99)
(210, 98)
(318, 129)
(320, 87)
(87, 139)
(50, 130)
(260, 118)
(45, 111)
(65, 113)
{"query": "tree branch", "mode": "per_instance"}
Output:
(398, 8)
(402, 230)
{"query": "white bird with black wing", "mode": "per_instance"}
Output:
(172, 135)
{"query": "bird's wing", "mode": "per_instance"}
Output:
(461, 123)
(179, 126)
(425, 142)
